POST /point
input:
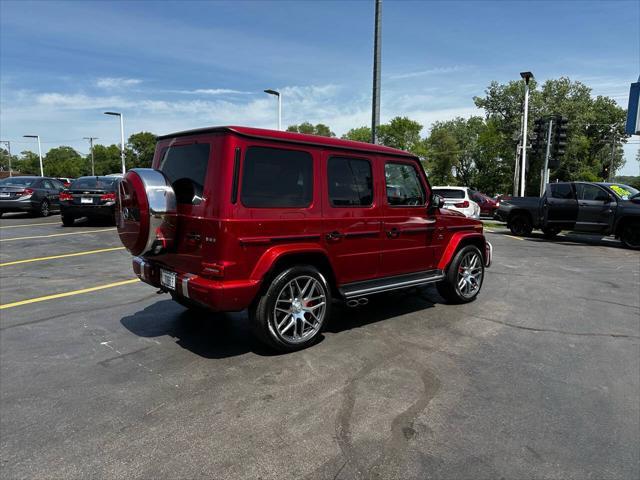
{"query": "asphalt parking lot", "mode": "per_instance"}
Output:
(538, 378)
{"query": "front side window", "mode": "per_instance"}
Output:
(591, 192)
(186, 168)
(562, 190)
(403, 185)
(277, 178)
(350, 182)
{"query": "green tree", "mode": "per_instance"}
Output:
(306, 127)
(4, 160)
(140, 149)
(442, 156)
(107, 159)
(360, 134)
(402, 133)
(64, 162)
(28, 163)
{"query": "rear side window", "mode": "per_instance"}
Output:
(449, 192)
(277, 178)
(350, 182)
(562, 190)
(186, 168)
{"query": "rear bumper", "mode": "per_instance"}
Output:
(217, 295)
(18, 205)
(87, 210)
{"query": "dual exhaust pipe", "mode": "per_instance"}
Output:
(357, 302)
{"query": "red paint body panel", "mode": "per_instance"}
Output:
(224, 249)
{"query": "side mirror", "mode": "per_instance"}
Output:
(436, 202)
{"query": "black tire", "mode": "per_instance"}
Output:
(271, 330)
(630, 235)
(67, 220)
(44, 208)
(520, 225)
(449, 288)
(550, 232)
(1, 213)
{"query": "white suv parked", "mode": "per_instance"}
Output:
(458, 199)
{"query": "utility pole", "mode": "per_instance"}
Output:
(9, 151)
(91, 139)
(526, 76)
(377, 46)
(613, 152)
(545, 169)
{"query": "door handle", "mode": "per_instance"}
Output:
(393, 233)
(335, 235)
(193, 237)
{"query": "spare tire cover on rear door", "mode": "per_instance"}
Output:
(146, 212)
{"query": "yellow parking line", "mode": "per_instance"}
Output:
(53, 257)
(31, 224)
(67, 294)
(511, 236)
(57, 235)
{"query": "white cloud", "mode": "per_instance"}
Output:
(79, 101)
(213, 91)
(117, 82)
(430, 71)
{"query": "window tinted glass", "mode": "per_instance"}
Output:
(561, 190)
(591, 192)
(275, 178)
(98, 183)
(350, 182)
(449, 192)
(403, 185)
(186, 168)
(57, 184)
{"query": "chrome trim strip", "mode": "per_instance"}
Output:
(489, 255)
(185, 285)
(394, 286)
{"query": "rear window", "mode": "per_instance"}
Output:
(97, 183)
(186, 168)
(449, 192)
(17, 182)
(562, 190)
(350, 182)
(276, 178)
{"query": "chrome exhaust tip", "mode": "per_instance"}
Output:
(357, 302)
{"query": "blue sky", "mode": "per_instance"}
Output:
(176, 65)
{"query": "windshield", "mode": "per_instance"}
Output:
(17, 182)
(625, 192)
(449, 192)
(99, 183)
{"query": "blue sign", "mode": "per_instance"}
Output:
(633, 112)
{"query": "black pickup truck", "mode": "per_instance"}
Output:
(602, 208)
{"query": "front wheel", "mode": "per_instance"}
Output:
(630, 236)
(463, 279)
(550, 232)
(520, 225)
(290, 315)
(44, 210)
(68, 220)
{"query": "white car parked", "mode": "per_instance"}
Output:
(458, 199)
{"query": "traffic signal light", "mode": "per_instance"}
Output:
(539, 140)
(559, 137)
(605, 172)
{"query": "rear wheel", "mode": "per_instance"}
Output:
(630, 235)
(464, 276)
(550, 232)
(520, 225)
(68, 220)
(43, 210)
(292, 312)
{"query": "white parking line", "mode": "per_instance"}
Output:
(58, 234)
(31, 224)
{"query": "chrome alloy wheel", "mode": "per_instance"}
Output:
(300, 309)
(470, 274)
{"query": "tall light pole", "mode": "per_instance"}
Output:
(377, 46)
(9, 152)
(117, 114)
(91, 139)
(279, 95)
(526, 76)
(39, 151)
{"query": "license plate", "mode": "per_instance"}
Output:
(86, 200)
(5, 195)
(168, 279)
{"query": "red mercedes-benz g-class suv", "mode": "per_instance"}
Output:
(283, 224)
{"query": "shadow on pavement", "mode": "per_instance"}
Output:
(221, 335)
(571, 238)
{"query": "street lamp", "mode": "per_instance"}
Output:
(117, 114)
(39, 151)
(526, 76)
(279, 95)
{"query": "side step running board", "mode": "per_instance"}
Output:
(379, 285)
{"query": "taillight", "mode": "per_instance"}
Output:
(65, 197)
(24, 193)
(464, 204)
(108, 197)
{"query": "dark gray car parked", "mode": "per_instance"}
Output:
(38, 195)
